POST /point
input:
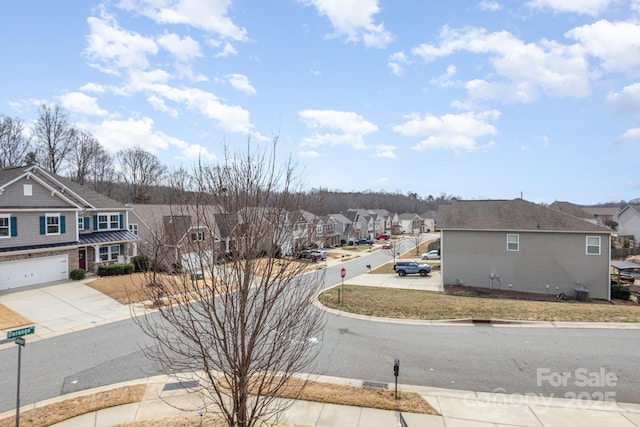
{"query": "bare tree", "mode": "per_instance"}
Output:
(53, 135)
(250, 326)
(85, 151)
(15, 143)
(140, 171)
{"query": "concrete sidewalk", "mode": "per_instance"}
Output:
(164, 396)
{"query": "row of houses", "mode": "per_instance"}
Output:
(50, 225)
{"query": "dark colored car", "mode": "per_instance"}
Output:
(364, 242)
(411, 267)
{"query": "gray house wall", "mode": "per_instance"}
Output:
(544, 258)
(13, 195)
(28, 227)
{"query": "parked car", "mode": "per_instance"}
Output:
(383, 237)
(319, 254)
(304, 254)
(434, 254)
(387, 245)
(364, 242)
(411, 267)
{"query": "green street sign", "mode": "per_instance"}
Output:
(20, 332)
(20, 341)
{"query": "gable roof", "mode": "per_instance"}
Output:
(408, 216)
(80, 195)
(514, 214)
(340, 218)
(634, 208)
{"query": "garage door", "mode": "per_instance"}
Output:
(14, 274)
(192, 261)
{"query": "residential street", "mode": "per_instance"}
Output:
(505, 359)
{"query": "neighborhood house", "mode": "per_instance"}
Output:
(50, 225)
(522, 246)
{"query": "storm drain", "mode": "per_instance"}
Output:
(374, 384)
(180, 385)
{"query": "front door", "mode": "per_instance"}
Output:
(82, 259)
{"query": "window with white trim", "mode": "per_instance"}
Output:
(53, 224)
(593, 245)
(513, 242)
(108, 253)
(80, 223)
(133, 228)
(198, 236)
(109, 221)
(5, 226)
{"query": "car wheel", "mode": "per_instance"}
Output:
(423, 273)
(402, 273)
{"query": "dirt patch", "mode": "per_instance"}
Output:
(10, 319)
(70, 408)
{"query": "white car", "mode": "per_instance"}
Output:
(434, 254)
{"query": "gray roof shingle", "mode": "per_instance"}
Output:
(514, 214)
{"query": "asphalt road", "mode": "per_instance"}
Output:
(538, 361)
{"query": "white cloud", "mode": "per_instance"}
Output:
(241, 82)
(346, 128)
(93, 87)
(614, 43)
(396, 63)
(548, 67)
(79, 102)
(184, 49)
(231, 118)
(308, 153)
(384, 151)
(227, 50)
(208, 15)
(444, 80)
(586, 7)
(458, 132)
(158, 104)
(344, 121)
(626, 101)
(489, 5)
(114, 48)
(116, 135)
(631, 135)
(354, 19)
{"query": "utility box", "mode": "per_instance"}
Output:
(582, 294)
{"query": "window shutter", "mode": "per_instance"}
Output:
(121, 221)
(95, 222)
(43, 230)
(86, 222)
(63, 226)
(194, 236)
(14, 226)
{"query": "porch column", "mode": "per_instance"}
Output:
(96, 256)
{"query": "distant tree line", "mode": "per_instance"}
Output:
(133, 175)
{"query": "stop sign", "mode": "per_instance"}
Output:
(343, 273)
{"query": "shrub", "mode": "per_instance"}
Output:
(77, 274)
(141, 263)
(343, 242)
(115, 269)
(620, 292)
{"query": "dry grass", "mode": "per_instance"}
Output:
(364, 397)
(207, 420)
(11, 319)
(133, 288)
(411, 304)
(66, 409)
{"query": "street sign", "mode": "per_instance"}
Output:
(343, 272)
(20, 341)
(20, 332)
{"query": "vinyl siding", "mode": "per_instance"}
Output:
(555, 259)
(28, 230)
(14, 196)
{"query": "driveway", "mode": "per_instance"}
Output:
(61, 307)
(416, 282)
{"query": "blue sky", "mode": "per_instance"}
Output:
(477, 99)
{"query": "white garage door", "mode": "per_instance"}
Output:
(14, 274)
(192, 261)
